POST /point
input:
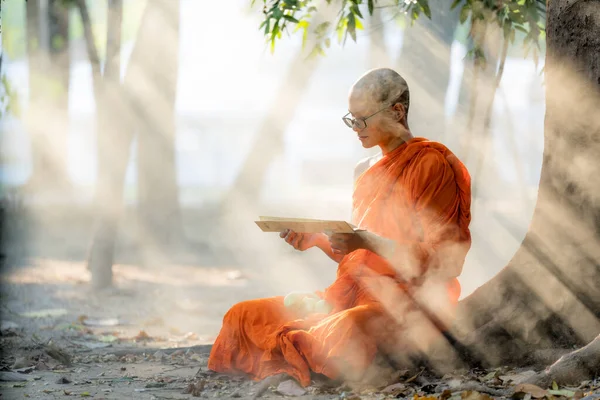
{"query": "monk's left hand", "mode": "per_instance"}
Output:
(346, 243)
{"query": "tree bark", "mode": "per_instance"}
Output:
(158, 196)
(548, 295)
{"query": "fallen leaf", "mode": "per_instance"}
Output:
(474, 395)
(454, 383)
(290, 388)
(53, 312)
(562, 392)
(412, 378)
(85, 394)
(108, 338)
(554, 385)
(535, 391)
(142, 336)
(195, 389)
(517, 378)
(394, 387)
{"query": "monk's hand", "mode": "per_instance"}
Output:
(299, 241)
(346, 243)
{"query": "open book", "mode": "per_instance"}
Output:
(304, 225)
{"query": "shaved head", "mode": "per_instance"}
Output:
(383, 86)
(378, 103)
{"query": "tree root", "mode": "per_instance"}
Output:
(572, 368)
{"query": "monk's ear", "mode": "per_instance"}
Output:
(400, 111)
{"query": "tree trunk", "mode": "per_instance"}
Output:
(49, 71)
(425, 63)
(548, 295)
(113, 144)
(158, 195)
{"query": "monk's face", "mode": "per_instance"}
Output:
(380, 124)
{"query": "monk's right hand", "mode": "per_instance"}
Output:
(299, 241)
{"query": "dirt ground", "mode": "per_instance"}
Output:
(60, 339)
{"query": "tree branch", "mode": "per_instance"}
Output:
(91, 46)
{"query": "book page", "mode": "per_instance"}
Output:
(303, 225)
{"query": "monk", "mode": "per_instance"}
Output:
(397, 275)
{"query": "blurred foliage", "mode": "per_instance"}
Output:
(14, 24)
(526, 17)
(9, 101)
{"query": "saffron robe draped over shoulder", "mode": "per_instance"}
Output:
(418, 195)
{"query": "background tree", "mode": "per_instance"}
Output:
(48, 111)
(142, 104)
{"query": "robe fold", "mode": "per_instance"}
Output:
(419, 195)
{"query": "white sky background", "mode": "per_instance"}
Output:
(227, 81)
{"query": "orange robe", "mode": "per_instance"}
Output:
(418, 195)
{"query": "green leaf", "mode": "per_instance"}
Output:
(464, 14)
(425, 7)
(274, 35)
(520, 28)
(455, 3)
(355, 10)
(414, 15)
(554, 385)
(321, 29)
(359, 24)
(352, 26)
(291, 19)
(327, 42)
(370, 5)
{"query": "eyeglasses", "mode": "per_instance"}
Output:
(359, 123)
